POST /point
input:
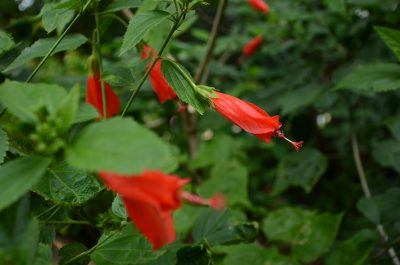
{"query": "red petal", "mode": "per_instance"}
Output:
(259, 5)
(252, 46)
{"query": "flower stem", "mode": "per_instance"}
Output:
(135, 91)
(367, 194)
(49, 53)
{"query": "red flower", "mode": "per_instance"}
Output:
(252, 46)
(161, 87)
(259, 5)
(250, 118)
(94, 96)
(150, 198)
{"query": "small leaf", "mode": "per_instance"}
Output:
(391, 37)
(3, 145)
(387, 153)
(118, 208)
(42, 46)
(139, 26)
(18, 176)
(123, 247)
(369, 208)
(69, 251)
(180, 80)
(119, 145)
(6, 42)
(55, 18)
(122, 4)
(85, 113)
(372, 78)
(65, 185)
(67, 110)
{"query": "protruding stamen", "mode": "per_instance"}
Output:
(217, 202)
(296, 145)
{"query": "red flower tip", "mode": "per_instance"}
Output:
(251, 47)
(181, 107)
(296, 145)
(163, 90)
(217, 202)
(259, 5)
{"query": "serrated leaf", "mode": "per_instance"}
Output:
(55, 18)
(301, 169)
(6, 42)
(3, 145)
(179, 80)
(41, 47)
(22, 99)
(119, 145)
(122, 4)
(69, 251)
(372, 78)
(391, 37)
(86, 112)
(118, 208)
(123, 247)
(218, 228)
(139, 26)
(65, 185)
(309, 233)
(230, 179)
(18, 176)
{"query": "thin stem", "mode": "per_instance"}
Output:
(98, 51)
(367, 194)
(49, 53)
(69, 222)
(135, 91)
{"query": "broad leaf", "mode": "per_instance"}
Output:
(119, 145)
(65, 185)
(6, 42)
(301, 169)
(85, 112)
(309, 233)
(184, 219)
(372, 78)
(55, 18)
(41, 47)
(123, 247)
(44, 255)
(391, 37)
(3, 145)
(180, 80)
(230, 179)
(69, 251)
(23, 100)
(387, 153)
(18, 176)
(67, 110)
(122, 4)
(139, 26)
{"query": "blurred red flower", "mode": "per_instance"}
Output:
(252, 46)
(94, 96)
(259, 5)
(250, 118)
(160, 85)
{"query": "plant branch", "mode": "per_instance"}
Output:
(367, 194)
(49, 53)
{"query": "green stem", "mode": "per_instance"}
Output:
(49, 53)
(135, 91)
(98, 51)
(69, 222)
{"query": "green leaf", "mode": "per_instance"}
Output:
(55, 18)
(387, 153)
(355, 250)
(23, 100)
(183, 85)
(119, 145)
(184, 218)
(309, 233)
(122, 4)
(301, 169)
(44, 255)
(394, 126)
(391, 37)
(41, 47)
(6, 42)
(299, 98)
(85, 113)
(118, 208)
(338, 6)
(3, 145)
(255, 255)
(139, 26)
(369, 208)
(18, 176)
(218, 228)
(66, 185)
(70, 251)
(372, 78)
(67, 110)
(230, 179)
(123, 247)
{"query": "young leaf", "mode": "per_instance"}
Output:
(18, 176)
(3, 145)
(180, 80)
(139, 26)
(42, 46)
(6, 42)
(119, 145)
(65, 185)
(372, 78)
(391, 37)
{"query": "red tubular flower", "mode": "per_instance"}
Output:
(94, 96)
(150, 198)
(250, 118)
(259, 5)
(160, 85)
(252, 46)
